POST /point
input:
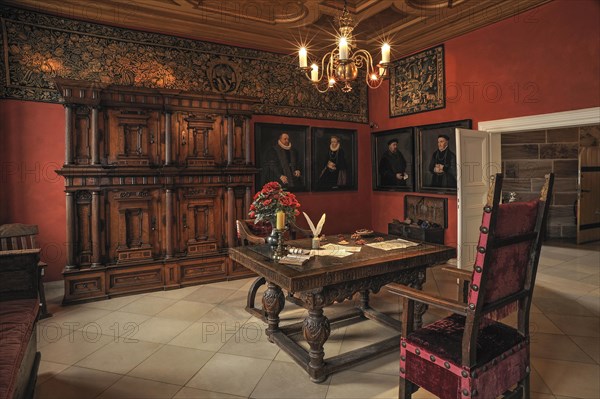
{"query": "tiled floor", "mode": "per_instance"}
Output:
(198, 342)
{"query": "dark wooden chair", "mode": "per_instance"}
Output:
(17, 236)
(470, 353)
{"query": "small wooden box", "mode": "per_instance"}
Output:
(433, 234)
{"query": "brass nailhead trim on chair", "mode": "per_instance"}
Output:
(474, 287)
(472, 306)
(464, 373)
(465, 392)
(404, 344)
(483, 229)
(402, 370)
(447, 365)
(487, 209)
(478, 269)
(403, 358)
(481, 250)
(417, 352)
(432, 358)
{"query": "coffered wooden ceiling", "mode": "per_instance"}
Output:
(279, 25)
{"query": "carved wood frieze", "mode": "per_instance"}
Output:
(38, 48)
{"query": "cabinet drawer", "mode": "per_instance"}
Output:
(84, 286)
(203, 270)
(135, 280)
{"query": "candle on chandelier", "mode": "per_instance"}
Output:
(302, 57)
(314, 74)
(385, 53)
(343, 48)
(280, 220)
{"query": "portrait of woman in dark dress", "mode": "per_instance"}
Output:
(334, 172)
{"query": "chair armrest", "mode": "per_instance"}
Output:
(432, 300)
(458, 273)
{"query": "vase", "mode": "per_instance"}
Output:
(273, 238)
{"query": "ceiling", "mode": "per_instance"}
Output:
(280, 25)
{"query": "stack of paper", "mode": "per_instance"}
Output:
(393, 244)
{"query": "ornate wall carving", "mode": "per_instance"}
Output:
(37, 48)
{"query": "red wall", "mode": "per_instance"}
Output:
(543, 61)
(539, 62)
(31, 148)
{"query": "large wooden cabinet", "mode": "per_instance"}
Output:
(154, 181)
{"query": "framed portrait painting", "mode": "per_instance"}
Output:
(394, 160)
(334, 159)
(437, 156)
(281, 155)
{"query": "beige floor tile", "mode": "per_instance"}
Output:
(177, 294)
(589, 345)
(559, 347)
(235, 375)
(208, 336)
(161, 330)
(577, 325)
(112, 304)
(186, 310)
(351, 384)
(369, 331)
(591, 302)
(578, 380)
(76, 383)
(148, 305)
(238, 299)
(537, 382)
(172, 364)
(48, 333)
(423, 394)
(290, 381)
(209, 294)
(73, 347)
(76, 317)
(283, 357)
(121, 325)
(119, 357)
(540, 323)
(538, 395)
(251, 340)
(232, 284)
(48, 370)
(135, 388)
(562, 306)
(191, 393)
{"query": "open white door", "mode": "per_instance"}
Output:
(477, 158)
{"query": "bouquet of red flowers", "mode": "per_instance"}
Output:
(271, 199)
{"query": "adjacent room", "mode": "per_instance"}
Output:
(300, 199)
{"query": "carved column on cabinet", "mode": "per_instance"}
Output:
(95, 137)
(96, 229)
(230, 217)
(169, 224)
(247, 139)
(70, 197)
(168, 155)
(68, 134)
(248, 199)
(229, 139)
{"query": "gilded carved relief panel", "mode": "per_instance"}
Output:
(39, 47)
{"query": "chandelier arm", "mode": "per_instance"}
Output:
(361, 56)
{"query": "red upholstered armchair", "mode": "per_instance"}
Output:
(471, 353)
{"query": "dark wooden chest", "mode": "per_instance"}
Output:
(414, 232)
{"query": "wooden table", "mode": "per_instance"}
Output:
(325, 280)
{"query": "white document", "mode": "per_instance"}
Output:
(393, 244)
(340, 247)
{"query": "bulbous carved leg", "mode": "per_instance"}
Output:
(273, 301)
(316, 330)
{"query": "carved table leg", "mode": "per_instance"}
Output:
(273, 301)
(420, 307)
(316, 330)
(364, 299)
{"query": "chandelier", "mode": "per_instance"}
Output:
(340, 66)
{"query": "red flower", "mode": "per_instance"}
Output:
(271, 199)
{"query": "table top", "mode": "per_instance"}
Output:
(320, 271)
